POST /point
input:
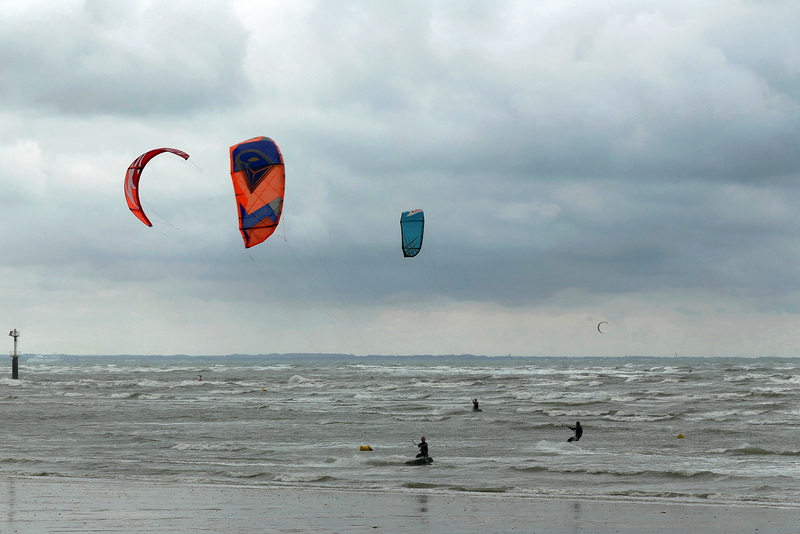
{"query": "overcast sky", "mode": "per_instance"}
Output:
(635, 162)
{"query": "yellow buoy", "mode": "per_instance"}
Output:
(680, 436)
(263, 389)
(366, 448)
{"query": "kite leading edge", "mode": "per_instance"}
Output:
(133, 175)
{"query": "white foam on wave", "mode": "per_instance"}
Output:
(206, 446)
(301, 381)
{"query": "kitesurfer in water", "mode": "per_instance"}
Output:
(578, 429)
(475, 405)
(423, 448)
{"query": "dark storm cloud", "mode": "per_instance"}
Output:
(490, 92)
(123, 58)
(575, 156)
(643, 115)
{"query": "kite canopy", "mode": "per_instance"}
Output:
(412, 224)
(259, 179)
(601, 323)
(132, 180)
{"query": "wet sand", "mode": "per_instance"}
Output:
(48, 504)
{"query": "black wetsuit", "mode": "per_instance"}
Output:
(578, 432)
(423, 449)
(475, 405)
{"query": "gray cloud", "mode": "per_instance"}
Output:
(636, 161)
(121, 58)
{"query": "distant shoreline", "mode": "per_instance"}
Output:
(384, 357)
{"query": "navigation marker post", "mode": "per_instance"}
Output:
(14, 356)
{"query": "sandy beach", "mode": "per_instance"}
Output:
(45, 504)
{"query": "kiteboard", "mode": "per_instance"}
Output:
(425, 460)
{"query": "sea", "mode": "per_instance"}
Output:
(665, 430)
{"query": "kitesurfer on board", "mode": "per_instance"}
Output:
(578, 429)
(475, 405)
(423, 448)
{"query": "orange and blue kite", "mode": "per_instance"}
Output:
(259, 180)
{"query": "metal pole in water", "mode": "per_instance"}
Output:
(14, 356)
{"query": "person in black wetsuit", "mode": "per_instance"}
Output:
(475, 405)
(423, 448)
(578, 431)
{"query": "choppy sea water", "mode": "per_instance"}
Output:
(300, 421)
